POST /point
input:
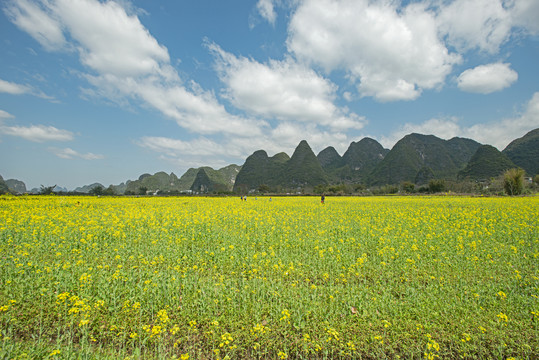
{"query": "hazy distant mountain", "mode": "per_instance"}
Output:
(16, 186)
(3, 186)
(86, 188)
(524, 152)
(486, 163)
(152, 183)
(418, 158)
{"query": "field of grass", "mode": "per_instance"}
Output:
(220, 278)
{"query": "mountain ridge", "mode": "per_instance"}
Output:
(416, 158)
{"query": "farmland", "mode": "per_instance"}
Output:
(288, 277)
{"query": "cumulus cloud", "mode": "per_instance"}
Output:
(392, 53)
(68, 153)
(485, 79)
(481, 24)
(524, 14)
(126, 61)
(37, 133)
(283, 90)
(498, 134)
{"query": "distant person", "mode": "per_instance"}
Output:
(323, 198)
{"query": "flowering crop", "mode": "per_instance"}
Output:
(192, 277)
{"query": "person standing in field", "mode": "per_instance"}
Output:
(323, 198)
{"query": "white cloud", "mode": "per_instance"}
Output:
(68, 153)
(13, 88)
(481, 24)
(37, 20)
(266, 10)
(175, 148)
(5, 115)
(284, 137)
(501, 133)
(37, 133)
(525, 14)
(485, 79)
(127, 63)
(284, 90)
(110, 41)
(498, 134)
(393, 53)
(18, 89)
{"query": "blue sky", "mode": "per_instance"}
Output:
(97, 91)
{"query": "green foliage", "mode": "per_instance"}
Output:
(513, 181)
(47, 190)
(97, 190)
(436, 185)
(408, 187)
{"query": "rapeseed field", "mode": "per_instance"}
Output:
(269, 278)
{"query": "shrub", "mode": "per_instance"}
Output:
(513, 181)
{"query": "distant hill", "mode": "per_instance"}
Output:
(330, 159)
(3, 186)
(16, 186)
(152, 183)
(187, 179)
(259, 169)
(524, 152)
(303, 168)
(205, 177)
(87, 188)
(418, 158)
(486, 163)
(58, 189)
(357, 162)
(210, 180)
(280, 171)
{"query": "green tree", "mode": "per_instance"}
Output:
(513, 181)
(408, 187)
(109, 191)
(97, 190)
(142, 190)
(436, 185)
(263, 188)
(47, 190)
